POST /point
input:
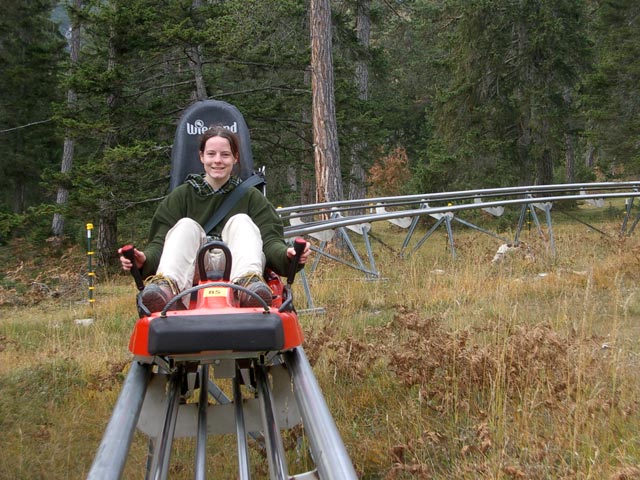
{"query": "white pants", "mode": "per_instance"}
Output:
(181, 245)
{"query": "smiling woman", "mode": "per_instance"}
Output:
(219, 153)
(252, 230)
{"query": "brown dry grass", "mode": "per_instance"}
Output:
(468, 369)
(463, 368)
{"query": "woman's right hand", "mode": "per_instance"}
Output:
(140, 258)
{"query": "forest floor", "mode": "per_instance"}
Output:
(466, 368)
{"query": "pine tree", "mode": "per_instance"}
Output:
(611, 98)
(121, 121)
(504, 116)
(30, 53)
(73, 37)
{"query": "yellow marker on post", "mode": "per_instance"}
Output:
(90, 272)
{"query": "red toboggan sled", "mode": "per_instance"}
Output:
(178, 354)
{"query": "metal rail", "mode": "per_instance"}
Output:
(337, 222)
(533, 191)
(241, 432)
(327, 448)
(112, 454)
(201, 435)
(325, 220)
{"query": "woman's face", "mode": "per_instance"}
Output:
(218, 161)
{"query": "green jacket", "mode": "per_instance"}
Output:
(185, 201)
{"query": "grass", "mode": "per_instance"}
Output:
(466, 369)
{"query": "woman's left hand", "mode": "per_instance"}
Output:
(305, 254)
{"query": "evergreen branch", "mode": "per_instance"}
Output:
(27, 125)
(142, 202)
(158, 87)
(393, 9)
(259, 89)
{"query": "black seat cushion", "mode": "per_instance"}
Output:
(243, 332)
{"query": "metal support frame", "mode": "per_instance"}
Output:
(446, 219)
(311, 308)
(273, 441)
(241, 432)
(370, 271)
(409, 208)
(629, 206)
(530, 208)
(441, 218)
(412, 228)
(286, 393)
(163, 443)
(412, 206)
(480, 229)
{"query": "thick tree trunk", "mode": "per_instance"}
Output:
(325, 131)
(57, 226)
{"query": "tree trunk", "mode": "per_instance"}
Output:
(195, 60)
(357, 174)
(194, 54)
(107, 217)
(545, 162)
(107, 233)
(57, 225)
(307, 183)
(590, 156)
(545, 168)
(570, 157)
(325, 132)
(569, 143)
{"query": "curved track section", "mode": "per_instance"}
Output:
(331, 215)
(324, 221)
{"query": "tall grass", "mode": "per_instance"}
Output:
(444, 368)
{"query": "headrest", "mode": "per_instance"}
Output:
(194, 122)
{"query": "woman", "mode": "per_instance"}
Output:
(252, 230)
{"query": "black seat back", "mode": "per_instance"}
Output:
(194, 122)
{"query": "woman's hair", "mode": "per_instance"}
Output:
(220, 131)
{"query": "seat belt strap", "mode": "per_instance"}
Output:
(228, 203)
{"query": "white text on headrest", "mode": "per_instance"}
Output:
(198, 127)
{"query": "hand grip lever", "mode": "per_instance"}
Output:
(128, 253)
(299, 245)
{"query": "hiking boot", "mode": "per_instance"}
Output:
(157, 292)
(255, 284)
